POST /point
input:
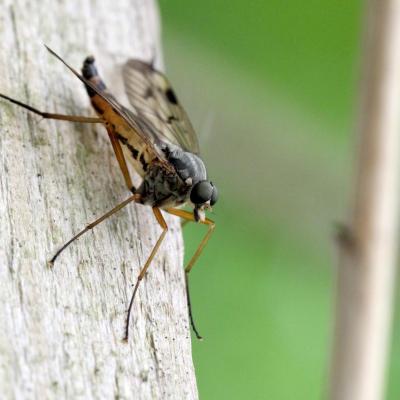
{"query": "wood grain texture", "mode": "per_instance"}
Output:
(61, 330)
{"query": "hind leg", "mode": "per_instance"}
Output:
(47, 115)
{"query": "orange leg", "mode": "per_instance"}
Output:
(188, 216)
(120, 158)
(164, 226)
(74, 118)
(60, 117)
(134, 197)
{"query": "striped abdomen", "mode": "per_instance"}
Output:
(136, 150)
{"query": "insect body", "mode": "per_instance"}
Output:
(154, 102)
(157, 138)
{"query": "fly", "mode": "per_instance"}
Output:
(157, 138)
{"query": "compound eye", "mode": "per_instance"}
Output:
(201, 192)
(214, 196)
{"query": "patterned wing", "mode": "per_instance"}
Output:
(139, 127)
(157, 107)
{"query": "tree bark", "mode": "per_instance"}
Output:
(366, 273)
(61, 329)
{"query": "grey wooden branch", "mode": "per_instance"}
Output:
(61, 330)
(368, 254)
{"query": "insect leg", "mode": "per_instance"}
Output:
(164, 226)
(120, 158)
(134, 197)
(46, 115)
(211, 226)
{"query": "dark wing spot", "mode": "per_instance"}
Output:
(171, 96)
(134, 152)
(143, 162)
(149, 93)
(171, 118)
(122, 139)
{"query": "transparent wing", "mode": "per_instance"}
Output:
(157, 107)
(138, 126)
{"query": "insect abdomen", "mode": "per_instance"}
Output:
(89, 72)
(140, 160)
(135, 149)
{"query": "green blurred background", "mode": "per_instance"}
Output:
(271, 87)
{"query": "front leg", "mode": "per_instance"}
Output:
(188, 216)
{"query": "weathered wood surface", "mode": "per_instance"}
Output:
(61, 330)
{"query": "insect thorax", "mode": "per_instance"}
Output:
(163, 188)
